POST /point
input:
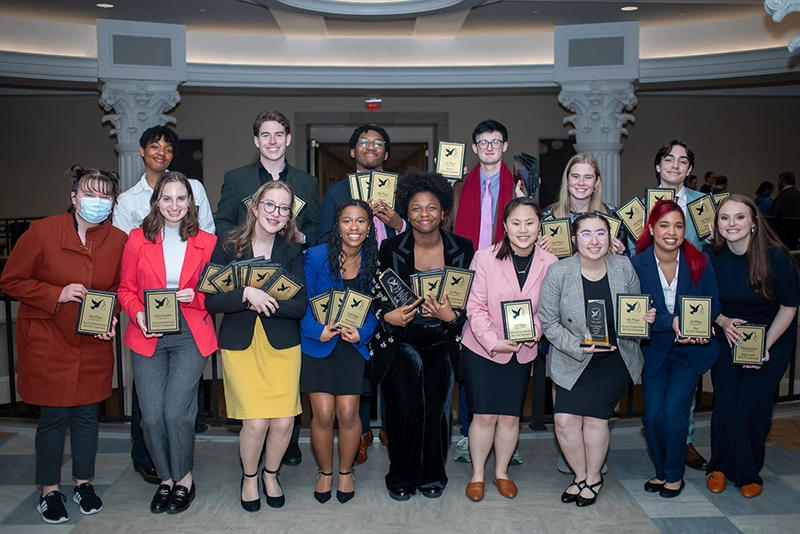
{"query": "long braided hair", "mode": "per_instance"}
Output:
(369, 248)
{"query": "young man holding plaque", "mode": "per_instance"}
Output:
(588, 364)
(168, 253)
(66, 374)
(496, 365)
(669, 267)
(758, 285)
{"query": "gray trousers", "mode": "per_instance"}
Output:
(50, 436)
(166, 386)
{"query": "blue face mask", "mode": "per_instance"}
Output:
(95, 210)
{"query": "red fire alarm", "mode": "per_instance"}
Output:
(373, 104)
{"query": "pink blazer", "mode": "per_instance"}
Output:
(496, 281)
(143, 268)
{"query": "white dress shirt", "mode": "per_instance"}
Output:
(134, 204)
(670, 290)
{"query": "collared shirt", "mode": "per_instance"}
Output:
(264, 176)
(670, 290)
(680, 196)
(494, 187)
(134, 204)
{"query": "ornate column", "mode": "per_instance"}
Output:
(779, 9)
(598, 119)
(136, 105)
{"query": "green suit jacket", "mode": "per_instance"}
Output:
(242, 182)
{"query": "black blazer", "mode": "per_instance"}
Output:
(282, 328)
(334, 195)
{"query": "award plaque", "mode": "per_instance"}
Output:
(702, 212)
(354, 187)
(383, 186)
(161, 309)
(399, 293)
(209, 272)
(614, 223)
(558, 232)
(518, 325)
(450, 160)
(319, 306)
(632, 215)
(651, 196)
(96, 313)
(596, 326)
(354, 309)
(719, 197)
(334, 305)
(282, 285)
(753, 347)
(248, 202)
(297, 206)
(223, 280)
(695, 317)
(457, 283)
(630, 316)
(431, 282)
(260, 272)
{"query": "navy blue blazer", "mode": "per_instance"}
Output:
(662, 336)
(318, 281)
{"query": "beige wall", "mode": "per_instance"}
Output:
(749, 139)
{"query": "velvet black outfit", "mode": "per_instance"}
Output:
(417, 370)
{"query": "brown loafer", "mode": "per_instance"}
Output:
(475, 491)
(506, 487)
(715, 482)
(366, 441)
(751, 490)
(384, 439)
(694, 459)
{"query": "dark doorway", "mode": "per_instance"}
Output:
(189, 159)
(553, 157)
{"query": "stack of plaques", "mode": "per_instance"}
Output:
(452, 280)
(375, 185)
(347, 308)
(256, 272)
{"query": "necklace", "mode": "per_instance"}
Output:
(353, 261)
(524, 269)
(596, 276)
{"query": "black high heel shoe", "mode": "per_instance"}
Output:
(323, 496)
(273, 502)
(344, 496)
(250, 506)
(567, 498)
(583, 501)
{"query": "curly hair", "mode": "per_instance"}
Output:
(415, 181)
(153, 223)
(369, 248)
(371, 128)
(156, 133)
(242, 237)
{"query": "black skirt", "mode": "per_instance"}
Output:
(340, 373)
(598, 389)
(494, 388)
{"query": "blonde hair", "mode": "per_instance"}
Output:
(242, 237)
(562, 207)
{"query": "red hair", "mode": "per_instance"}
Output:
(695, 258)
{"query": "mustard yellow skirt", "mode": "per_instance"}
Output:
(262, 382)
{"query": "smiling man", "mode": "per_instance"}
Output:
(673, 163)
(271, 135)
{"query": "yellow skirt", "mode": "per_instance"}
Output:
(262, 382)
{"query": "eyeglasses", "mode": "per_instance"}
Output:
(670, 159)
(270, 207)
(377, 143)
(496, 143)
(587, 235)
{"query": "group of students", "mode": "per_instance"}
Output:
(272, 350)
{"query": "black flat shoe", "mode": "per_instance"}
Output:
(431, 492)
(160, 500)
(568, 498)
(323, 496)
(399, 494)
(180, 499)
(653, 487)
(670, 493)
(149, 474)
(273, 502)
(583, 501)
(293, 455)
(250, 506)
(344, 496)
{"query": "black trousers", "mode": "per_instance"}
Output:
(742, 417)
(418, 389)
(50, 436)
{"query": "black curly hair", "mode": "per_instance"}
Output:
(415, 181)
(369, 248)
(371, 128)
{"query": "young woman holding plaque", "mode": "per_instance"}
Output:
(333, 357)
(420, 351)
(260, 342)
(670, 267)
(581, 192)
(496, 369)
(66, 374)
(589, 380)
(758, 285)
(169, 251)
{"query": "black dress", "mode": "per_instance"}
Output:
(605, 378)
(341, 372)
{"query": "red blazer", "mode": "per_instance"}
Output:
(143, 268)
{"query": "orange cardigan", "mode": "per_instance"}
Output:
(143, 268)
